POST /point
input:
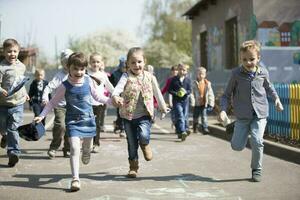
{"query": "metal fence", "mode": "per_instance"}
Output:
(286, 124)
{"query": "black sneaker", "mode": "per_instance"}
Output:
(183, 136)
(13, 159)
(256, 175)
(3, 142)
(205, 131)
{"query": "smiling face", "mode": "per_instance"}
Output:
(136, 62)
(249, 59)
(96, 63)
(76, 72)
(11, 53)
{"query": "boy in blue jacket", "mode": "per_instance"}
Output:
(180, 88)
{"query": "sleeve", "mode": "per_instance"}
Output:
(59, 95)
(171, 89)
(31, 90)
(270, 90)
(98, 95)
(157, 94)
(52, 85)
(211, 96)
(226, 97)
(166, 86)
(121, 85)
(108, 85)
(189, 87)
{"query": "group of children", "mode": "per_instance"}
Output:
(79, 96)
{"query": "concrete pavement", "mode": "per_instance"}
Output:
(202, 167)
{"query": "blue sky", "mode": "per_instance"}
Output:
(40, 21)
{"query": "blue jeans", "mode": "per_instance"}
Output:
(138, 132)
(256, 128)
(181, 110)
(10, 119)
(200, 111)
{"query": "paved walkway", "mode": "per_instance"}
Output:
(202, 167)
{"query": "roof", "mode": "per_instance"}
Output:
(268, 24)
(193, 11)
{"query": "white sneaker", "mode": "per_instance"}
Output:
(75, 185)
(95, 149)
(86, 157)
(122, 134)
(51, 153)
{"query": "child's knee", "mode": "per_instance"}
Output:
(236, 147)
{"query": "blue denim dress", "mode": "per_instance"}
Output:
(80, 119)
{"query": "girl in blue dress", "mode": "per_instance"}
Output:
(78, 90)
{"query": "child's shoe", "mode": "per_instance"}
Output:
(86, 157)
(95, 149)
(13, 159)
(256, 175)
(147, 151)
(75, 185)
(3, 141)
(66, 154)
(133, 168)
(183, 136)
(122, 134)
(51, 153)
(205, 131)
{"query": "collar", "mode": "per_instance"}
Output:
(257, 71)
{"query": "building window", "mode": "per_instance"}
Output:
(231, 43)
(203, 49)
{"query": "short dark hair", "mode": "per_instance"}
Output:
(77, 59)
(10, 42)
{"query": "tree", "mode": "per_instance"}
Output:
(111, 44)
(163, 21)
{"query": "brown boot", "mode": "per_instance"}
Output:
(147, 151)
(133, 168)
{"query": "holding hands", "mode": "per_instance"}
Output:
(38, 119)
(4, 92)
(117, 101)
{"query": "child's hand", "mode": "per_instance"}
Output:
(209, 108)
(164, 113)
(44, 102)
(4, 93)
(38, 119)
(278, 105)
(117, 101)
(27, 97)
(223, 118)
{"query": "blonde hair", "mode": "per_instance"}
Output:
(96, 54)
(250, 45)
(187, 67)
(39, 71)
(201, 69)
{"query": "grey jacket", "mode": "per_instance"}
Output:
(249, 94)
(8, 74)
(209, 94)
